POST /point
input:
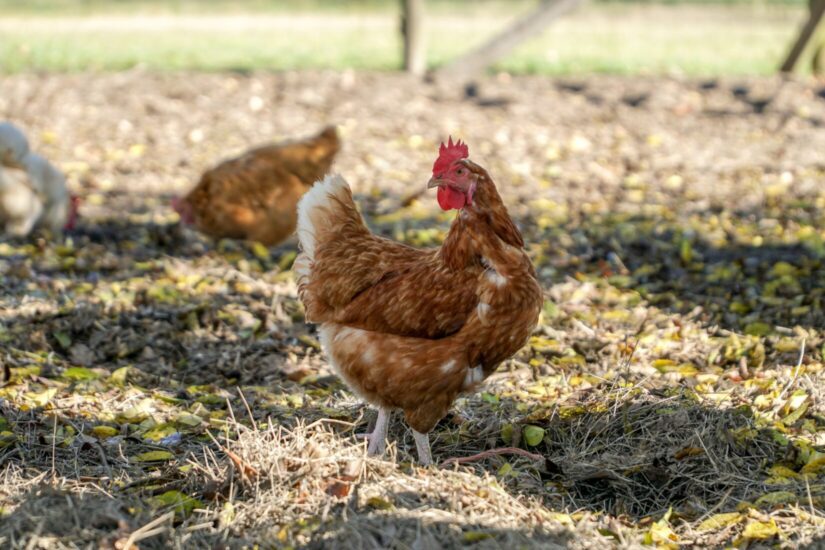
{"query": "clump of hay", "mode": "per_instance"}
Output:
(307, 486)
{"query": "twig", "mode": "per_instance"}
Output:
(246, 404)
(148, 530)
(810, 499)
(54, 446)
(247, 472)
(489, 453)
(331, 421)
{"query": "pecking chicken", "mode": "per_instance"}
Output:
(33, 193)
(253, 196)
(411, 328)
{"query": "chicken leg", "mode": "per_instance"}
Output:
(422, 444)
(378, 438)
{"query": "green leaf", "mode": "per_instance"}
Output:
(7, 438)
(758, 328)
(489, 398)
(80, 374)
(63, 339)
(182, 504)
(188, 419)
(507, 434)
(533, 435)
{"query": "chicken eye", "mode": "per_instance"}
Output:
(459, 171)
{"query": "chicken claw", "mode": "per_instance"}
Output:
(422, 444)
(378, 437)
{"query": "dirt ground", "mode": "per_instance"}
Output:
(165, 391)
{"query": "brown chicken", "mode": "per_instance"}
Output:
(408, 328)
(253, 196)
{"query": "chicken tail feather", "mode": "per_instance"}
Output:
(324, 213)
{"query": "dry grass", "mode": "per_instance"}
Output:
(166, 392)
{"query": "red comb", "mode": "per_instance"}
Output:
(448, 154)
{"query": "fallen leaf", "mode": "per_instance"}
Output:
(760, 530)
(154, 456)
(532, 435)
(718, 521)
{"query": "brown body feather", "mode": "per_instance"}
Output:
(254, 196)
(407, 328)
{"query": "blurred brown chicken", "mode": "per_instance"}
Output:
(254, 196)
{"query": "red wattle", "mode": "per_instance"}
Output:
(449, 198)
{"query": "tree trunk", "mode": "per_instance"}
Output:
(503, 43)
(817, 11)
(415, 48)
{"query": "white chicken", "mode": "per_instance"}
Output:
(33, 193)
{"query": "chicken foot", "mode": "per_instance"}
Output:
(422, 444)
(378, 437)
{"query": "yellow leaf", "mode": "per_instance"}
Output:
(260, 251)
(760, 530)
(379, 503)
(136, 414)
(564, 519)
(119, 376)
(784, 471)
(815, 463)
(717, 521)
(137, 149)
(660, 533)
(156, 433)
(570, 361)
(777, 497)
(686, 251)
(154, 456)
(104, 432)
(40, 399)
(796, 400)
(505, 469)
(796, 415)
(475, 536)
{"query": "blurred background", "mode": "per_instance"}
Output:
(674, 37)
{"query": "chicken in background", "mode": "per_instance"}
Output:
(254, 196)
(33, 193)
(410, 328)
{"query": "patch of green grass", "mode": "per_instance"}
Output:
(603, 39)
(280, 6)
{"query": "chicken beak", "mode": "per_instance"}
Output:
(434, 182)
